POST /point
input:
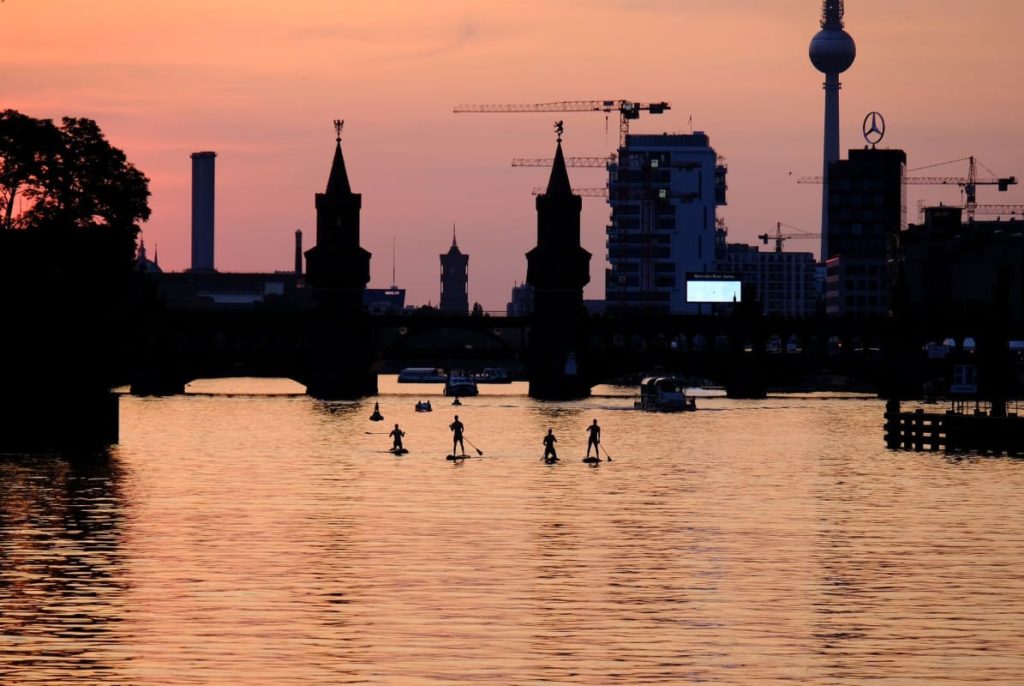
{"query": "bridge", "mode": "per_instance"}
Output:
(746, 355)
(97, 332)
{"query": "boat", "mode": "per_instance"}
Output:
(493, 375)
(424, 406)
(460, 386)
(421, 375)
(664, 394)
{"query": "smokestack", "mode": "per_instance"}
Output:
(202, 211)
(298, 251)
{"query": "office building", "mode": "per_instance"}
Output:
(949, 270)
(521, 301)
(782, 282)
(867, 210)
(663, 193)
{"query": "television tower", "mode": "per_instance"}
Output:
(832, 52)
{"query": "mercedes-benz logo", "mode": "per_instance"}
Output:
(874, 128)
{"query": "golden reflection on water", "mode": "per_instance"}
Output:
(250, 539)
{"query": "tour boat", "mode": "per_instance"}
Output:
(460, 386)
(421, 375)
(664, 394)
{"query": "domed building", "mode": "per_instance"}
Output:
(146, 265)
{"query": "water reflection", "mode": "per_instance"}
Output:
(62, 577)
(273, 540)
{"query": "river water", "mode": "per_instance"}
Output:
(235, 537)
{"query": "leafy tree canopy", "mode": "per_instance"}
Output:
(66, 176)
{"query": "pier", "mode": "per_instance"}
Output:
(958, 429)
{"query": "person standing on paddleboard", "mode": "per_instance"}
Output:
(549, 447)
(397, 435)
(595, 439)
(457, 428)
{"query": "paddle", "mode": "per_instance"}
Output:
(605, 452)
(377, 433)
(478, 451)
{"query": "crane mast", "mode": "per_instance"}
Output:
(781, 238)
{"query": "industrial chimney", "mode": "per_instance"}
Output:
(202, 211)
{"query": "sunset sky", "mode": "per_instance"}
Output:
(259, 82)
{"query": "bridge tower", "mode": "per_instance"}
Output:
(337, 270)
(558, 269)
(337, 267)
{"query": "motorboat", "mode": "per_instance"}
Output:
(460, 386)
(664, 394)
(421, 375)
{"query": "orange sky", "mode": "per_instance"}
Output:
(260, 82)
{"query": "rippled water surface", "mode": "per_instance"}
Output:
(271, 539)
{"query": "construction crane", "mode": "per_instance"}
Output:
(597, 192)
(660, 194)
(601, 162)
(1012, 211)
(627, 109)
(968, 184)
(781, 238)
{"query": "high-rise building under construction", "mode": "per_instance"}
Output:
(663, 192)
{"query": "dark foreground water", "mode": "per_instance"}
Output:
(238, 539)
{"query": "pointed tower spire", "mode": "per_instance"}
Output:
(337, 267)
(455, 243)
(337, 183)
(558, 183)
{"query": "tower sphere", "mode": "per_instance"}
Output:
(832, 51)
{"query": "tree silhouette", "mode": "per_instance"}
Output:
(70, 176)
(27, 146)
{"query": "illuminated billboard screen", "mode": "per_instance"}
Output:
(712, 288)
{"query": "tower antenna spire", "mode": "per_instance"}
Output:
(832, 14)
(339, 124)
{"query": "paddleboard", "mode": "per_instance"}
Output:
(551, 460)
(459, 457)
(400, 451)
(592, 460)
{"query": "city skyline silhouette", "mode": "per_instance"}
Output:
(262, 86)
